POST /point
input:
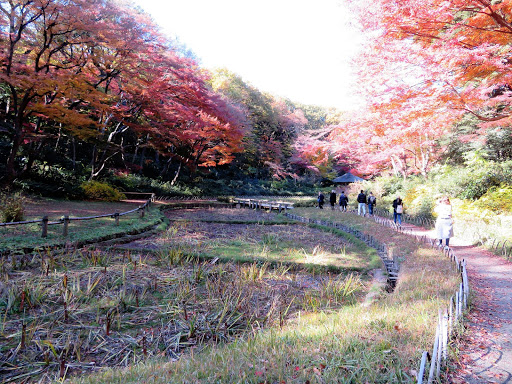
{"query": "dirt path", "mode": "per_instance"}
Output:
(485, 349)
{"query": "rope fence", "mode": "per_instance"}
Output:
(65, 220)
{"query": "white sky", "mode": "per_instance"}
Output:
(298, 49)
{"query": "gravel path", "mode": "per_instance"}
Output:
(485, 349)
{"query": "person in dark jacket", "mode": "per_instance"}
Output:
(398, 209)
(321, 200)
(361, 206)
(332, 199)
(372, 201)
(343, 202)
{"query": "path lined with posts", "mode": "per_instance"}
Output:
(485, 350)
(449, 318)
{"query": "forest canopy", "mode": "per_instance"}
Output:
(94, 90)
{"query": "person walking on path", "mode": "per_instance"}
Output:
(398, 209)
(485, 348)
(343, 202)
(444, 222)
(361, 200)
(332, 199)
(372, 201)
(321, 200)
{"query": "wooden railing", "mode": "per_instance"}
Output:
(449, 318)
(422, 221)
(499, 247)
(263, 204)
(65, 220)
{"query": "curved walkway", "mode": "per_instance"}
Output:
(485, 348)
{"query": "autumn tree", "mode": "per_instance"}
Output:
(101, 71)
(462, 45)
(43, 54)
(427, 64)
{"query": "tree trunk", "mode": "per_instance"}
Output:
(58, 138)
(165, 168)
(142, 158)
(177, 174)
(93, 162)
(10, 170)
(73, 147)
(32, 157)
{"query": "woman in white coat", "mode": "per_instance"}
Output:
(444, 222)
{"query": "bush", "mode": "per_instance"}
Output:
(225, 199)
(473, 180)
(132, 182)
(12, 208)
(96, 190)
(420, 201)
(51, 181)
(49, 189)
(305, 202)
(496, 199)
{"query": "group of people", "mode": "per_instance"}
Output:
(362, 200)
(332, 200)
(443, 209)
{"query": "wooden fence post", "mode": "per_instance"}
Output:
(44, 232)
(141, 212)
(116, 218)
(445, 335)
(65, 226)
(433, 362)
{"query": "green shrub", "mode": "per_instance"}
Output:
(305, 202)
(386, 186)
(132, 182)
(420, 201)
(471, 181)
(225, 199)
(496, 199)
(96, 190)
(12, 208)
